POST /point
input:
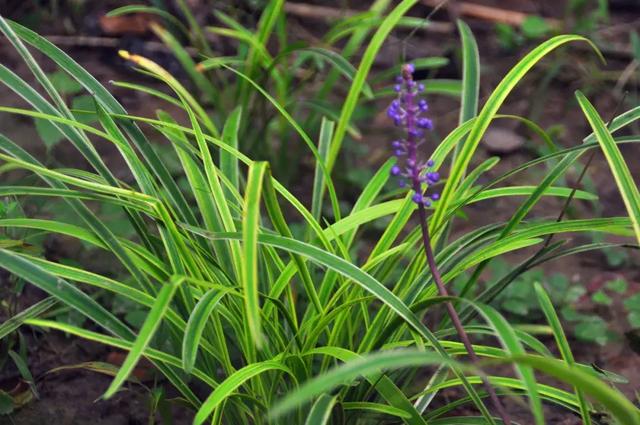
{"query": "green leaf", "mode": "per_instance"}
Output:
(324, 140)
(14, 322)
(633, 302)
(320, 412)
(62, 82)
(535, 27)
(84, 109)
(23, 368)
(6, 403)
(151, 324)
(516, 306)
(48, 132)
(634, 319)
(599, 297)
(470, 75)
(250, 230)
(375, 408)
(622, 175)
(229, 385)
(592, 329)
(229, 162)
(635, 45)
(563, 344)
(195, 326)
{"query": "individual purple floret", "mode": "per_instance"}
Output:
(406, 111)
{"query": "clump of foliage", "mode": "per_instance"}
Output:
(280, 328)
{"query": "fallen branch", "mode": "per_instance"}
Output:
(489, 13)
(326, 13)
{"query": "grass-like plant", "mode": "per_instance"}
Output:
(280, 328)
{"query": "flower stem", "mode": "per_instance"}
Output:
(453, 315)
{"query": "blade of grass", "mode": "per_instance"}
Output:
(320, 412)
(146, 333)
(324, 140)
(15, 321)
(250, 230)
(563, 345)
(195, 326)
(229, 386)
(619, 169)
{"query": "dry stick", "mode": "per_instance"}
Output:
(490, 13)
(453, 315)
(330, 14)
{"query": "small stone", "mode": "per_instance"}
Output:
(502, 140)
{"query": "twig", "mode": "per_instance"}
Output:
(325, 13)
(489, 13)
(107, 43)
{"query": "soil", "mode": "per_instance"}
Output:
(73, 396)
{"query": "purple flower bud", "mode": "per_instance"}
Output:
(398, 152)
(426, 202)
(435, 176)
(398, 79)
(397, 88)
(425, 123)
(402, 183)
(420, 87)
(430, 163)
(395, 170)
(396, 144)
(411, 68)
(422, 104)
(417, 198)
(435, 196)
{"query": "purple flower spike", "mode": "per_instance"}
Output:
(406, 111)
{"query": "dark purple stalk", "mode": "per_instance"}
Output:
(405, 112)
(453, 315)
